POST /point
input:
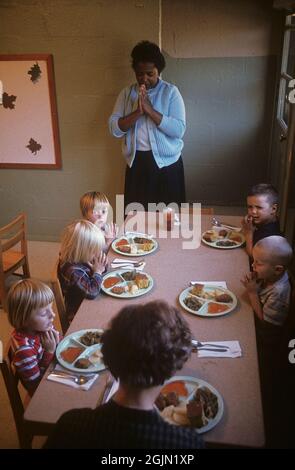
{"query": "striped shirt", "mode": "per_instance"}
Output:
(29, 358)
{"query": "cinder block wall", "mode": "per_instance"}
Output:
(224, 55)
(91, 42)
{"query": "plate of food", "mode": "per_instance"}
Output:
(192, 402)
(208, 301)
(127, 283)
(81, 351)
(223, 238)
(135, 244)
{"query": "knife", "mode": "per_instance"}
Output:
(107, 390)
(195, 349)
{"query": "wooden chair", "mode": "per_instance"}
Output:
(12, 259)
(11, 381)
(59, 299)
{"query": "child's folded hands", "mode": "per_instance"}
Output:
(99, 263)
(247, 224)
(250, 282)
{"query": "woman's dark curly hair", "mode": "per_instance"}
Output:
(146, 344)
(146, 51)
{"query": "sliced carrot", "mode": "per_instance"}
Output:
(122, 242)
(111, 281)
(70, 354)
(216, 308)
(178, 386)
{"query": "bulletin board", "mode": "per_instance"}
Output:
(29, 134)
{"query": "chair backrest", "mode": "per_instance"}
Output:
(59, 299)
(11, 382)
(14, 233)
(13, 252)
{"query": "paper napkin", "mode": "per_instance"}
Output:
(70, 382)
(213, 283)
(234, 349)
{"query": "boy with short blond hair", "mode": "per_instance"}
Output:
(261, 220)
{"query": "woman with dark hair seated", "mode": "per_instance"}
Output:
(144, 346)
(150, 117)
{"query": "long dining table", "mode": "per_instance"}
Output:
(172, 268)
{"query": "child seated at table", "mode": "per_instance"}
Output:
(81, 264)
(268, 286)
(95, 208)
(144, 346)
(34, 339)
(261, 220)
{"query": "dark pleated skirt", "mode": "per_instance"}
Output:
(146, 183)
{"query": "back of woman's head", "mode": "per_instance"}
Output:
(81, 241)
(24, 297)
(146, 344)
(146, 51)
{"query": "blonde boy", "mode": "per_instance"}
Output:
(268, 285)
(95, 208)
(34, 340)
(261, 220)
(82, 263)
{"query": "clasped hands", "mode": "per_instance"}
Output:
(144, 104)
(250, 282)
(99, 263)
(247, 225)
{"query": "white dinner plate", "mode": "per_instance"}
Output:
(125, 295)
(192, 384)
(136, 248)
(73, 340)
(222, 236)
(203, 310)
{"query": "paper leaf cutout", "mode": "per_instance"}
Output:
(8, 100)
(35, 72)
(34, 146)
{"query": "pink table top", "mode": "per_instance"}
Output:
(237, 380)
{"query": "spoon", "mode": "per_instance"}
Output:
(79, 380)
(217, 223)
(135, 265)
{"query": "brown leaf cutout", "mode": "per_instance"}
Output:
(8, 100)
(34, 146)
(35, 72)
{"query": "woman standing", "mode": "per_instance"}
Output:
(150, 116)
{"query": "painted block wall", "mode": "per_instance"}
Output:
(224, 56)
(91, 42)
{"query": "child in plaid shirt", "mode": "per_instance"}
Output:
(34, 339)
(81, 265)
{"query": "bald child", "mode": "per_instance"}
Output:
(268, 286)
